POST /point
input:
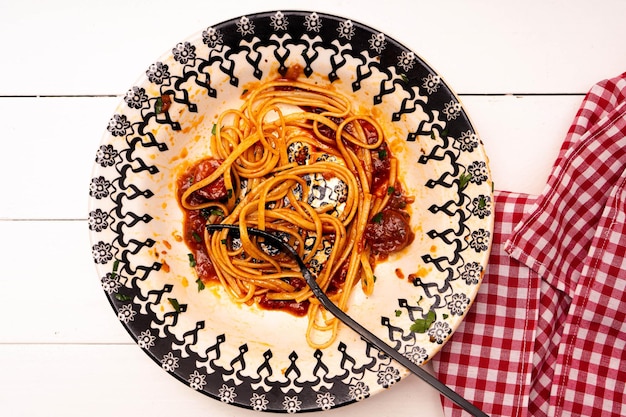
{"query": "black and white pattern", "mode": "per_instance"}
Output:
(133, 215)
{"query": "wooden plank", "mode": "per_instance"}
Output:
(48, 150)
(108, 380)
(64, 336)
(50, 285)
(67, 132)
(484, 46)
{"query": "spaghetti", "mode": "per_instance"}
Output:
(297, 160)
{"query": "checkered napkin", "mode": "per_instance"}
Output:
(546, 335)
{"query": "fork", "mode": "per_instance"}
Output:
(353, 324)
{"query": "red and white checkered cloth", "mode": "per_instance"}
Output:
(546, 335)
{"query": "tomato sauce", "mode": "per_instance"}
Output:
(296, 308)
(194, 221)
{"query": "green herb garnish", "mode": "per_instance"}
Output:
(192, 260)
(482, 202)
(158, 106)
(196, 237)
(162, 103)
(214, 129)
(422, 325)
(122, 297)
(116, 264)
(464, 180)
(382, 154)
(398, 313)
(390, 190)
(174, 303)
(378, 217)
(200, 284)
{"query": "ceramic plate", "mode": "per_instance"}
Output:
(243, 355)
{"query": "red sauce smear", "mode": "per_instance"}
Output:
(195, 220)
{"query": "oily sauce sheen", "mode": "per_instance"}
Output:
(387, 232)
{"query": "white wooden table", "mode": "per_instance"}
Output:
(520, 68)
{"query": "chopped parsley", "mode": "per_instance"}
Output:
(116, 264)
(196, 236)
(162, 104)
(174, 303)
(464, 180)
(200, 284)
(122, 297)
(216, 212)
(208, 212)
(443, 134)
(378, 217)
(390, 190)
(482, 202)
(398, 313)
(192, 260)
(422, 325)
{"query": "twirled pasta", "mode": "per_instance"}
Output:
(298, 160)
